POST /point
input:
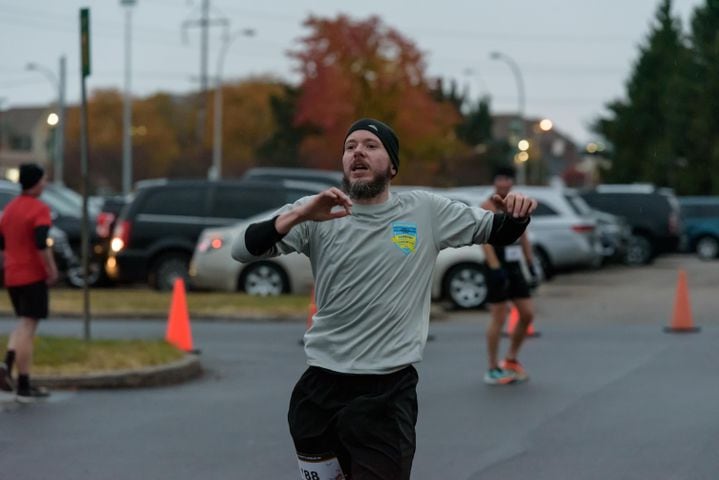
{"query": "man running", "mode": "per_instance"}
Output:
(506, 283)
(353, 412)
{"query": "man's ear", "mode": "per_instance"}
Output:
(394, 171)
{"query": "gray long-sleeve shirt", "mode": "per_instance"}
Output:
(373, 275)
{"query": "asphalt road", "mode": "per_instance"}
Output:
(611, 396)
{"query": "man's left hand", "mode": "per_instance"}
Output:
(515, 204)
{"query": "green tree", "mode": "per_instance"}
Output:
(643, 128)
(701, 175)
(283, 147)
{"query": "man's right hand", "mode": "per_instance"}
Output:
(322, 207)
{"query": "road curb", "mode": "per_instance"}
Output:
(182, 370)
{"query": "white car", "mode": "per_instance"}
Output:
(458, 277)
(213, 268)
(563, 231)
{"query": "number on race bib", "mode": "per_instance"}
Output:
(319, 468)
(310, 475)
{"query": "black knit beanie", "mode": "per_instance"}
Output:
(505, 171)
(385, 134)
(30, 174)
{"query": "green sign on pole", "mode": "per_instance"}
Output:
(85, 40)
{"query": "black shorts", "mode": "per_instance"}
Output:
(508, 284)
(30, 300)
(366, 421)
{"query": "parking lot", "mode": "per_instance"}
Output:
(611, 396)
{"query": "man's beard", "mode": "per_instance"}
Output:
(365, 189)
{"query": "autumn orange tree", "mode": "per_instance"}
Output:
(357, 68)
(248, 122)
(105, 133)
(154, 140)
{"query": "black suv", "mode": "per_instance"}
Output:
(653, 214)
(155, 235)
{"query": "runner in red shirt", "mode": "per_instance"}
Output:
(29, 269)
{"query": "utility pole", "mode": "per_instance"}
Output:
(204, 23)
(215, 172)
(84, 145)
(58, 82)
(60, 128)
(518, 130)
(127, 102)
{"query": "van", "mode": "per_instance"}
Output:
(653, 214)
(155, 235)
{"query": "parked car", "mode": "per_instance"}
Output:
(700, 221)
(615, 235)
(563, 232)
(66, 210)
(653, 214)
(108, 209)
(156, 233)
(459, 275)
(213, 268)
(331, 178)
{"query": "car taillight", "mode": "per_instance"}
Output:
(212, 242)
(121, 236)
(673, 223)
(103, 224)
(582, 228)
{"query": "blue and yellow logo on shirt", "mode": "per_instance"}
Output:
(404, 235)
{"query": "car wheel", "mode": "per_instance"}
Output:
(707, 248)
(639, 251)
(465, 285)
(168, 268)
(545, 264)
(264, 278)
(75, 277)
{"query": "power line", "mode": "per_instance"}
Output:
(438, 32)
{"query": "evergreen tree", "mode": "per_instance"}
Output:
(642, 129)
(283, 148)
(702, 130)
(476, 126)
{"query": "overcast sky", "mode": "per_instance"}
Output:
(574, 55)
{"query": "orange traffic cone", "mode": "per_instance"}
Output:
(682, 318)
(512, 322)
(178, 321)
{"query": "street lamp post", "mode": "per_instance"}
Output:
(127, 102)
(58, 82)
(215, 172)
(518, 129)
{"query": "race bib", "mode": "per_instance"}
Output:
(513, 253)
(319, 467)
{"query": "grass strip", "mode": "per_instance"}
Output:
(129, 302)
(73, 356)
